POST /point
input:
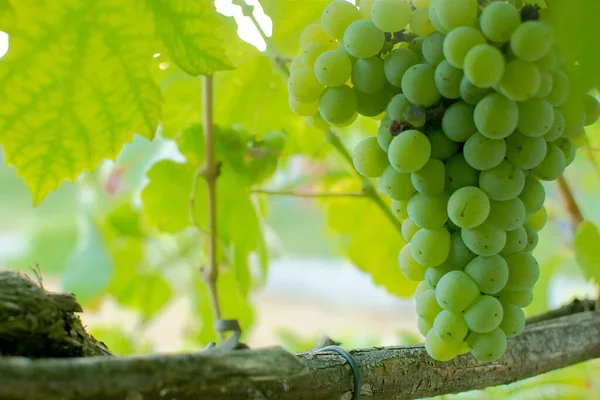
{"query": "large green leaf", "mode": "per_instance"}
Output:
(189, 30)
(587, 241)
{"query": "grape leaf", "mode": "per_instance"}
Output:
(587, 240)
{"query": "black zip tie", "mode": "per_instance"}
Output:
(355, 372)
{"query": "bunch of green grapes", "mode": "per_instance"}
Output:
(477, 107)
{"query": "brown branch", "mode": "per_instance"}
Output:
(570, 203)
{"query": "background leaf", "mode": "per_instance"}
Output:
(586, 244)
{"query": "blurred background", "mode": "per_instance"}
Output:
(331, 265)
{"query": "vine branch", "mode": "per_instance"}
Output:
(570, 203)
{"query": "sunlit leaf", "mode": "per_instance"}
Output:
(587, 241)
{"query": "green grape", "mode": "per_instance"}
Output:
(415, 116)
(447, 80)
(456, 291)
(508, 215)
(470, 93)
(397, 106)
(579, 138)
(343, 49)
(338, 105)
(515, 241)
(468, 207)
(363, 39)
(483, 153)
(561, 88)
(421, 287)
(420, 23)
(503, 182)
(458, 123)
(547, 63)
(455, 13)
(525, 152)
(409, 151)
(428, 211)
(592, 109)
(410, 268)
(416, 45)
(409, 228)
(521, 80)
(317, 122)
(459, 255)
(368, 75)
(442, 147)
(558, 127)
(434, 274)
(372, 104)
(567, 146)
(424, 326)
(495, 116)
(489, 273)
(296, 64)
(369, 159)
(311, 52)
(520, 298)
(459, 42)
(418, 4)
(365, 6)
(315, 33)
(433, 17)
(433, 48)
(484, 315)
(450, 327)
(303, 86)
(524, 271)
(530, 41)
(337, 16)
(487, 347)
(485, 239)
(553, 166)
(545, 85)
(384, 137)
(431, 179)
(498, 21)
(396, 185)
(427, 305)
(333, 68)
(460, 174)
(399, 209)
(484, 65)
(533, 195)
(513, 322)
(536, 117)
(532, 238)
(441, 350)
(538, 219)
(303, 109)
(574, 113)
(391, 15)
(418, 85)
(430, 246)
(396, 63)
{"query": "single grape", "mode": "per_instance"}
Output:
(391, 15)
(431, 179)
(311, 52)
(415, 116)
(459, 42)
(495, 116)
(431, 246)
(450, 327)
(409, 228)
(427, 305)
(420, 23)
(372, 104)
(428, 211)
(338, 105)
(520, 298)
(434, 274)
(296, 64)
(547, 63)
(396, 63)
(397, 106)
(442, 147)
(396, 185)
(315, 33)
(416, 45)
(592, 109)
(513, 322)
(525, 152)
(409, 151)
(524, 271)
(369, 159)
(574, 113)
(424, 326)
(303, 109)
(458, 123)
(317, 122)
(530, 41)
(421, 287)
(399, 209)
(485, 239)
(455, 13)
(364, 7)
(533, 195)
(503, 182)
(545, 85)
(508, 215)
(498, 21)
(337, 16)
(553, 165)
(532, 238)
(488, 347)
(567, 146)
(418, 85)
(538, 219)
(303, 86)
(333, 68)
(489, 273)
(561, 88)
(440, 350)
(448, 79)
(433, 48)
(536, 117)
(410, 268)
(516, 241)
(460, 174)
(579, 138)
(484, 315)
(384, 137)
(468, 207)
(470, 93)
(434, 19)
(460, 255)
(456, 291)
(558, 127)
(483, 153)
(484, 65)
(363, 39)
(368, 75)
(521, 80)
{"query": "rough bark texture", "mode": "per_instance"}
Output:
(563, 338)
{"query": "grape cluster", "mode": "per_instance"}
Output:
(477, 108)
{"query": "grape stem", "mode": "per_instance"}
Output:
(290, 193)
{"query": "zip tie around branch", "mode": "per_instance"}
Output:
(355, 372)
